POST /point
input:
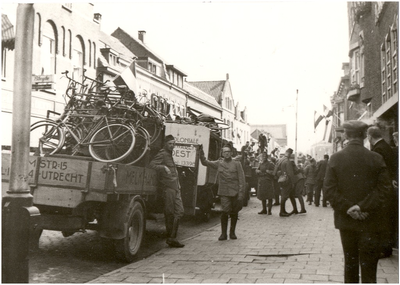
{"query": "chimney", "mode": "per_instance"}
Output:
(227, 76)
(97, 18)
(141, 36)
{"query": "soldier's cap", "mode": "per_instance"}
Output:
(169, 138)
(354, 126)
(289, 150)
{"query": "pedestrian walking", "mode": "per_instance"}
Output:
(277, 190)
(164, 163)
(231, 183)
(319, 181)
(284, 171)
(248, 177)
(310, 172)
(244, 151)
(299, 184)
(265, 173)
(357, 184)
(379, 145)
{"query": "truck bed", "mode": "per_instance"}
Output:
(65, 181)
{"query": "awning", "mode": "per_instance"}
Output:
(7, 33)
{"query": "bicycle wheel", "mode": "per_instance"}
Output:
(153, 127)
(46, 138)
(152, 122)
(112, 143)
(141, 146)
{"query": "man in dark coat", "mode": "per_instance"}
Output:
(319, 181)
(379, 145)
(284, 166)
(164, 163)
(357, 185)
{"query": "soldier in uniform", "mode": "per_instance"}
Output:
(231, 185)
(163, 162)
(357, 185)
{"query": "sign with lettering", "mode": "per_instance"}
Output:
(184, 155)
(150, 181)
(129, 178)
(63, 172)
(5, 168)
(190, 135)
(42, 81)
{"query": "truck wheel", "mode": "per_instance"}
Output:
(127, 247)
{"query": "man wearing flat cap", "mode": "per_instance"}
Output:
(164, 163)
(357, 185)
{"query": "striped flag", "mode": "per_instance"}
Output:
(317, 119)
(327, 112)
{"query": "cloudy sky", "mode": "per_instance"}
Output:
(270, 49)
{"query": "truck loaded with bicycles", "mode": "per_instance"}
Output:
(88, 167)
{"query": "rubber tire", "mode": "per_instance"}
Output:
(59, 143)
(127, 248)
(96, 156)
(142, 141)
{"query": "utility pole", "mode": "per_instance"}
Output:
(295, 138)
(18, 214)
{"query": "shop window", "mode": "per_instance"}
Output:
(3, 62)
(90, 53)
(39, 28)
(78, 58)
(355, 68)
(94, 55)
(63, 41)
(48, 50)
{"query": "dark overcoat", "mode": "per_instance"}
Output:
(356, 175)
(384, 149)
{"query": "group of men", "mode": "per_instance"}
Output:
(359, 184)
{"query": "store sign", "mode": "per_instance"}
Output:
(42, 81)
(184, 155)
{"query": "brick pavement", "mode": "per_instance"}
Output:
(269, 249)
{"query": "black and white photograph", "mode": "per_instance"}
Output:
(199, 142)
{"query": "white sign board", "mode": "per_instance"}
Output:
(190, 135)
(184, 155)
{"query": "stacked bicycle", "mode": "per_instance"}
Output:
(105, 122)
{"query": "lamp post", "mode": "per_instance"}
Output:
(18, 213)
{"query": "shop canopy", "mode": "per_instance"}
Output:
(7, 33)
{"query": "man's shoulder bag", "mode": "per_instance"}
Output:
(283, 179)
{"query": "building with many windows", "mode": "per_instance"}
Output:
(232, 114)
(368, 90)
(68, 37)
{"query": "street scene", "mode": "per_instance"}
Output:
(257, 146)
(305, 247)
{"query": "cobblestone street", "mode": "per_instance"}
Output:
(269, 249)
(85, 256)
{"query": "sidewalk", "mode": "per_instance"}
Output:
(269, 249)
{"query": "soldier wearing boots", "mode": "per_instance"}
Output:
(231, 184)
(287, 190)
(169, 180)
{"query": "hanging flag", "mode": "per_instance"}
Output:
(326, 128)
(328, 131)
(317, 119)
(327, 112)
(127, 77)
